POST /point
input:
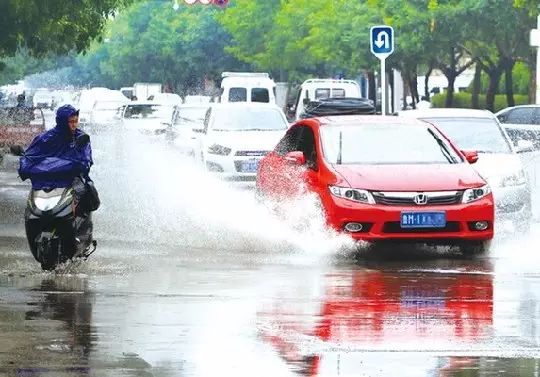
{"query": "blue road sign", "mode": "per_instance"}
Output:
(382, 40)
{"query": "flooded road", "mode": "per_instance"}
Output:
(195, 278)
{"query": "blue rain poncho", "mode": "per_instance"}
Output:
(53, 159)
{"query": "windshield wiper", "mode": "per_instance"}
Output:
(443, 147)
(340, 152)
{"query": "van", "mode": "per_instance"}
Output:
(247, 87)
(317, 89)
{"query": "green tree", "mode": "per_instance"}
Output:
(53, 26)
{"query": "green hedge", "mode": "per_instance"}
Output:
(464, 99)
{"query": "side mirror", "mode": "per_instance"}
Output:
(523, 146)
(306, 101)
(199, 130)
(502, 118)
(296, 158)
(470, 156)
(16, 150)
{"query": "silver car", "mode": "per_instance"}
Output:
(499, 162)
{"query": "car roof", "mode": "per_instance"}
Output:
(447, 113)
(349, 120)
(251, 105)
(147, 103)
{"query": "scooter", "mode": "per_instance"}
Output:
(55, 229)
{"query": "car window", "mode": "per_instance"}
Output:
(148, 112)
(190, 117)
(521, 115)
(536, 117)
(306, 144)
(248, 119)
(386, 144)
(238, 95)
(474, 134)
(260, 95)
(289, 142)
(322, 93)
(338, 93)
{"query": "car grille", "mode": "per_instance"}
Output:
(407, 198)
(252, 153)
(395, 227)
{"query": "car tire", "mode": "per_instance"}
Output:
(475, 248)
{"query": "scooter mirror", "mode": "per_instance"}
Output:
(82, 140)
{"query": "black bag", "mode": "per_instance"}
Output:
(86, 194)
(91, 196)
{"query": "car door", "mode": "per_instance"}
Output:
(187, 134)
(279, 177)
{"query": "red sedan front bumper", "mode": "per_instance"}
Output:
(382, 222)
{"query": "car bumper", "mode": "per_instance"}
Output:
(382, 222)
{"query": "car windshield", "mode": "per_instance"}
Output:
(190, 115)
(386, 144)
(148, 112)
(248, 119)
(108, 105)
(474, 134)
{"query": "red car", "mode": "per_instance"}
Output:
(383, 178)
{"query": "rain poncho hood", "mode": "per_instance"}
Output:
(53, 159)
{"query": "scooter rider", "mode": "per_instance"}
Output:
(57, 159)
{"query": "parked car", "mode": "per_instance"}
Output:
(147, 117)
(522, 123)
(236, 136)
(317, 89)
(106, 113)
(499, 162)
(170, 99)
(186, 128)
(383, 178)
(247, 87)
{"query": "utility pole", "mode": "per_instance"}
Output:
(535, 42)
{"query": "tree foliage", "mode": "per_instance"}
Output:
(53, 26)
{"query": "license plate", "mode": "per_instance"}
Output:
(250, 166)
(423, 219)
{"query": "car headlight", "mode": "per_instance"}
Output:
(470, 195)
(355, 195)
(219, 149)
(514, 179)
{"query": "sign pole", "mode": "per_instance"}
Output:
(383, 86)
(538, 61)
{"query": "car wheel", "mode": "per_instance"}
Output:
(475, 248)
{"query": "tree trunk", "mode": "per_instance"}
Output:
(413, 86)
(451, 77)
(427, 94)
(494, 79)
(509, 83)
(477, 82)
(372, 87)
(531, 63)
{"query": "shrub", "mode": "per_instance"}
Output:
(464, 100)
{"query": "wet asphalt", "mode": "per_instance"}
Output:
(193, 277)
